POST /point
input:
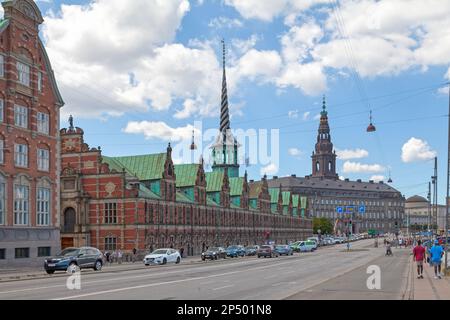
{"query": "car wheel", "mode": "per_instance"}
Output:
(98, 265)
(178, 260)
(50, 271)
(215, 257)
(203, 259)
(259, 256)
(72, 268)
(164, 261)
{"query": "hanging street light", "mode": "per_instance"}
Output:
(371, 127)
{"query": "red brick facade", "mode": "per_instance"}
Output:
(27, 84)
(90, 191)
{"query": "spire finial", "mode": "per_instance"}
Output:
(224, 113)
(324, 107)
(193, 146)
(223, 53)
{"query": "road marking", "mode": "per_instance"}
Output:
(167, 282)
(220, 288)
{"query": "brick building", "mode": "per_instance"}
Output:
(147, 202)
(29, 140)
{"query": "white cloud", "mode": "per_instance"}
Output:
(309, 78)
(348, 154)
(417, 150)
(293, 114)
(224, 22)
(356, 167)
(294, 152)
(263, 65)
(160, 130)
(317, 116)
(377, 178)
(306, 115)
(271, 169)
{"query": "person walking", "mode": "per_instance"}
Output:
(134, 255)
(419, 257)
(436, 253)
(119, 256)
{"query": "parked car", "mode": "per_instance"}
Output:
(214, 253)
(307, 246)
(294, 246)
(284, 250)
(267, 251)
(235, 251)
(71, 259)
(251, 250)
(162, 256)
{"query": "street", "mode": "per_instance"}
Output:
(329, 273)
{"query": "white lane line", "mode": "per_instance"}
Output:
(220, 288)
(167, 282)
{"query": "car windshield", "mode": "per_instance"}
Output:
(159, 251)
(265, 247)
(232, 247)
(213, 249)
(69, 252)
(250, 248)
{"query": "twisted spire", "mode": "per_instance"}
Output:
(224, 114)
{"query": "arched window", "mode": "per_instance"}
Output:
(317, 166)
(22, 200)
(330, 166)
(69, 220)
(43, 203)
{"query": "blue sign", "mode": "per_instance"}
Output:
(339, 209)
(362, 209)
(350, 209)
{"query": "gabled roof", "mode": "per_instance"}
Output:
(186, 174)
(274, 194)
(286, 197)
(51, 75)
(144, 167)
(236, 186)
(214, 181)
(255, 189)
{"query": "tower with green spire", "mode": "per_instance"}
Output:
(225, 147)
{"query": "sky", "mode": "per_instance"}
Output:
(139, 74)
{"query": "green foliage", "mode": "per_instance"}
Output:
(324, 224)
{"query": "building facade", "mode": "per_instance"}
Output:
(421, 215)
(354, 206)
(29, 140)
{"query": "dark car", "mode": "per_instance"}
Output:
(284, 250)
(235, 251)
(267, 251)
(214, 253)
(251, 250)
(71, 259)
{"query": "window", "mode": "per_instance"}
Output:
(40, 81)
(1, 108)
(21, 205)
(2, 254)
(111, 212)
(110, 243)
(43, 159)
(2, 65)
(2, 202)
(22, 253)
(21, 116)
(23, 72)
(43, 122)
(44, 251)
(21, 155)
(2, 146)
(43, 206)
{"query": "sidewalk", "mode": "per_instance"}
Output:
(12, 274)
(429, 288)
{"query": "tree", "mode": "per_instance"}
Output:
(323, 224)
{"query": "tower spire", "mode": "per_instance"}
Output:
(324, 107)
(224, 113)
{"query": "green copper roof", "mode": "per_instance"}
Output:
(214, 181)
(295, 200)
(274, 194)
(211, 202)
(236, 186)
(233, 206)
(186, 175)
(145, 167)
(147, 193)
(255, 189)
(303, 202)
(4, 23)
(286, 197)
(181, 197)
(113, 164)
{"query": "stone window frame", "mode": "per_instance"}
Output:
(20, 155)
(43, 122)
(110, 212)
(25, 81)
(21, 116)
(43, 164)
(22, 181)
(42, 215)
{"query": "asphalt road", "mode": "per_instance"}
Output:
(333, 270)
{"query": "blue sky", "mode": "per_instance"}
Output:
(137, 74)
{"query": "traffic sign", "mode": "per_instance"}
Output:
(350, 209)
(339, 209)
(362, 209)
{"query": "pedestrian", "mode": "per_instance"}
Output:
(134, 255)
(119, 256)
(436, 252)
(419, 257)
(112, 257)
(107, 254)
(181, 252)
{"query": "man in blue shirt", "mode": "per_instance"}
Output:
(436, 252)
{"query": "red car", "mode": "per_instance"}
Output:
(267, 251)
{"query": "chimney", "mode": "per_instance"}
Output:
(251, 180)
(347, 179)
(293, 175)
(359, 180)
(370, 181)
